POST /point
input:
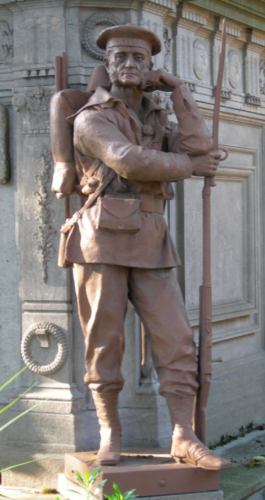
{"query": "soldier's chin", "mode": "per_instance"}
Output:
(130, 83)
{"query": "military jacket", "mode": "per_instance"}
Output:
(143, 155)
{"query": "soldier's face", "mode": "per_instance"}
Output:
(127, 65)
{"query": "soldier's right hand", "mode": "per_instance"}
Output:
(206, 165)
(64, 179)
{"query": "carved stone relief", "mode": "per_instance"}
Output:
(35, 104)
(252, 75)
(45, 332)
(167, 49)
(200, 59)
(262, 76)
(91, 28)
(43, 213)
(234, 68)
(185, 55)
(4, 153)
(6, 41)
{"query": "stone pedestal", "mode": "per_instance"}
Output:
(150, 473)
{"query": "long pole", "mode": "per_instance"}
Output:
(205, 327)
(61, 82)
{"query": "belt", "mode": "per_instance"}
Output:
(150, 203)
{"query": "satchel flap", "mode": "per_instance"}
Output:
(120, 207)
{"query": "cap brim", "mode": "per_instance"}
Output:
(131, 31)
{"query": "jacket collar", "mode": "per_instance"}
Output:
(103, 98)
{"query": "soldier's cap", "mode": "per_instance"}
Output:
(110, 36)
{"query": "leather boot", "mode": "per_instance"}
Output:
(186, 447)
(106, 404)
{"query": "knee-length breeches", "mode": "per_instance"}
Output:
(102, 292)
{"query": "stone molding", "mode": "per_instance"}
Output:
(4, 149)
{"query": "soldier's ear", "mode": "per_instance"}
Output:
(106, 61)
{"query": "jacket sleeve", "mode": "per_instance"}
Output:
(193, 135)
(98, 137)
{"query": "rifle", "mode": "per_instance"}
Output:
(61, 83)
(205, 325)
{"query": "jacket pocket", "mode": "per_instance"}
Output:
(118, 214)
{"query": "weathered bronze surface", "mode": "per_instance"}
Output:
(122, 158)
(149, 473)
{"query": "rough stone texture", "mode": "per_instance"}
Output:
(33, 289)
(210, 495)
(72, 491)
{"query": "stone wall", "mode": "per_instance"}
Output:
(36, 296)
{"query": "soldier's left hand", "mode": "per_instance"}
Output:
(160, 80)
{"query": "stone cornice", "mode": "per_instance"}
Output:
(243, 11)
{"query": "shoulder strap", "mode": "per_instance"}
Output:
(90, 201)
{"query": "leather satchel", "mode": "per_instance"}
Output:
(118, 214)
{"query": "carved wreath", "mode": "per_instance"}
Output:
(91, 27)
(62, 349)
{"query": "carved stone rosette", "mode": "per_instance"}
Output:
(91, 27)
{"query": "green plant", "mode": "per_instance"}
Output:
(89, 481)
(118, 495)
(14, 401)
(9, 405)
(257, 460)
(90, 484)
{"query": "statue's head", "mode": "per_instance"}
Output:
(129, 51)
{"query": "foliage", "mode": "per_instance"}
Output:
(91, 485)
(118, 495)
(9, 405)
(256, 460)
(89, 482)
(17, 398)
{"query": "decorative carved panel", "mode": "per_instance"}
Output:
(6, 42)
(234, 68)
(200, 59)
(90, 30)
(234, 258)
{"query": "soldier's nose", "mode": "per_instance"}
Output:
(129, 61)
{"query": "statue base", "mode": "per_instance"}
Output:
(149, 473)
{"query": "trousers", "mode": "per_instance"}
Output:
(102, 292)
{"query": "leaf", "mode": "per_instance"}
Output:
(10, 467)
(257, 460)
(95, 474)
(79, 477)
(10, 422)
(11, 379)
(129, 495)
(101, 483)
(86, 478)
(9, 405)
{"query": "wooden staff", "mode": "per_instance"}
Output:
(61, 82)
(205, 327)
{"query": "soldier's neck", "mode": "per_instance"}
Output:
(131, 96)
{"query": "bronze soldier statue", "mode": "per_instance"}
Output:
(126, 153)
